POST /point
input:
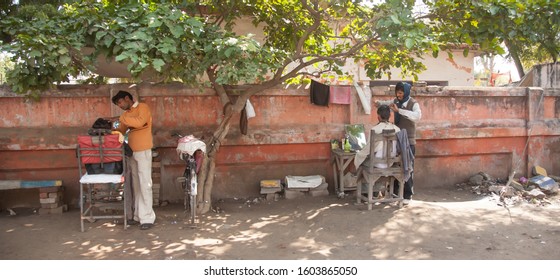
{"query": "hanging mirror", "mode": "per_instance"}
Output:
(356, 136)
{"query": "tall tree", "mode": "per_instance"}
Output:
(529, 29)
(194, 42)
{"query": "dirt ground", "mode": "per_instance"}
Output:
(439, 224)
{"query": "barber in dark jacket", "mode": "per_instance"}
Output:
(407, 114)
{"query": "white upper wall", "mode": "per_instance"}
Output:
(458, 71)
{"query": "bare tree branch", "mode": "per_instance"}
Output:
(224, 99)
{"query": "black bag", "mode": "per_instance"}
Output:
(115, 167)
(98, 131)
(101, 123)
(101, 126)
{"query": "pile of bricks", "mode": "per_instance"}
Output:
(51, 199)
(51, 193)
(271, 189)
(321, 190)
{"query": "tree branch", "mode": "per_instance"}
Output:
(220, 90)
(316, 23)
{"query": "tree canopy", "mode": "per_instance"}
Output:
(183, 40)
(186, 41)
(529, 29)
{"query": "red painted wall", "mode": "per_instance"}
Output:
(464, 130)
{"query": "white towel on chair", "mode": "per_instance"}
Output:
(101, 178)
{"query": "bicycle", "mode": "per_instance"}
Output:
(190, 150)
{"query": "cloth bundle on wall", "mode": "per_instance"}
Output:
(247, 113)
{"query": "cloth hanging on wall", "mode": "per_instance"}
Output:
(340, 94)
(243, 122)
(247, 113)
(319, 94)
(365, 97)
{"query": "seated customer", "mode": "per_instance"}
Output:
(383, 115)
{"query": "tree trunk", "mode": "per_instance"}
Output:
(516, 59)
(207, 171)
(518, 65)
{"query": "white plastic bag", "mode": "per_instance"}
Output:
(189, 144)
(249, 109)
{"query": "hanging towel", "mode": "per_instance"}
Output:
(340, 95)
(403, 147)
(319, 94)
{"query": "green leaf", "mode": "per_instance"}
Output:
(177, 31)
(158, 64)
(197, 31)
(154, 22)
(409, 43)
(134, 46)
(121, 57)
(229, 51)
(139, 35)
(100, 35)
(35, 53)
(194, 23)
(64, 60)
(108, 40)
(512, 34)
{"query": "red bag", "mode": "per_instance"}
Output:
(89, 145)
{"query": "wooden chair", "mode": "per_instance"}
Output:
(370, 174)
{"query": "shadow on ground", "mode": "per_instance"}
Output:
(439, 224)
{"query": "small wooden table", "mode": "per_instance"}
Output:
(340, 162)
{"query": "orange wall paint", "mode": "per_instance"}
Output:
(464, 130)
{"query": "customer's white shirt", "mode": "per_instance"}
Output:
(378, 149)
